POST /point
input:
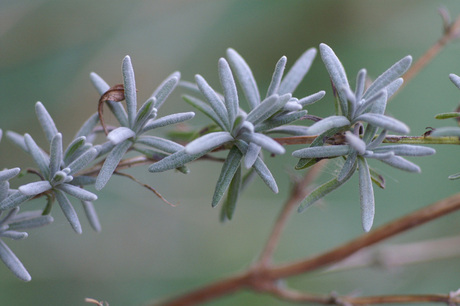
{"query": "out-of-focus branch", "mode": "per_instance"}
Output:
(451, 32)
(391, 256)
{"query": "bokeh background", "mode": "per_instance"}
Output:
(148, 250)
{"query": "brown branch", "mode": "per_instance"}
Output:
(210, 292)
(402, 254)
(451, 32)
(299, 297)
(298, 193)
(412, 220)
(262, 279)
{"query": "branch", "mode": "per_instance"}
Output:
(295, 296)
(263, 280)
(298, 193)
(402, 254)
(451, 32)
(412, 220)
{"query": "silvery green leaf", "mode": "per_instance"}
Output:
(78, 192)
(280, 121)
(8, 174)
(82, 180)
(455, 176)
(366, 195)
(238, 123)
(267, 108)
(165, 89)
(379, 156)
(88, 127)
(68, 210)
(46, 121)
(214, 101)
(82, 161)
(190, 86)
(32, 189)
(319, 141)
(14, 235)
(17, 139)
(406, 150)
(292, 106)
(323, 190)
(455, 79)
(73, 147)
(446, 131)
(111, 163)
(297, 72)
(360, 84)
(143, 114)
(100, 85)
(232, 194)
(205, 109)
(322, 151)
(168, 120)
(246, 127)
(245, 78)
(208, 142)
(173, 161)
(229, 87)
(229, 168)
(55, 154)
(394, 86)
(120, 134)
(260, 168)
(384, 122)
(394, 72)
(355, 142)
(337, 74)
(13, 263)
(377, 98)
(377, 107)
(251, 155)
(265, 142)
(6, 220)
(104, 148)
(130, 89)
(39, 157)
(160, 143)
(4, 188)
(294, 130)
(328, 123)
(401, 163)
(265, 174)
(34, 222)
(13, 200)
(308, 100)
(276, 77)
(348, 166)
(91, 215)
(378, 140)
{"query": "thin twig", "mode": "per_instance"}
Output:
(146, 186)
(298, 193)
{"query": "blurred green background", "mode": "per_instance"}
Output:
(148, 250)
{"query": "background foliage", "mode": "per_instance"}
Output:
(146, 249)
